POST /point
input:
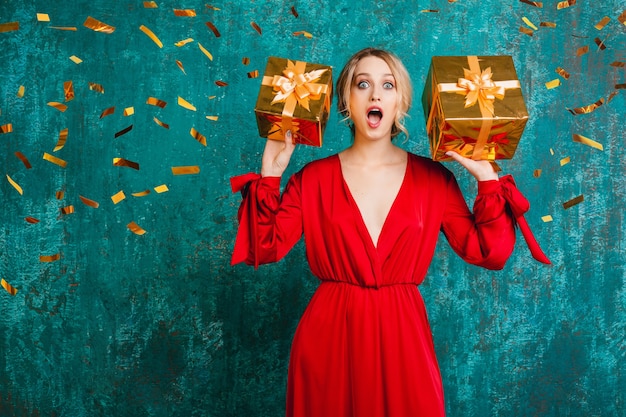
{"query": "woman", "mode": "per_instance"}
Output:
(370, 216)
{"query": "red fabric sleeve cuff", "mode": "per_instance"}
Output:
(488, 187)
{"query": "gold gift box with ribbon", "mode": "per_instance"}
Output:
(474, 106)
(296, 96)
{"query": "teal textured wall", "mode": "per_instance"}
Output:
(160, 324)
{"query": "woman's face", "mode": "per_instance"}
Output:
(373, 99)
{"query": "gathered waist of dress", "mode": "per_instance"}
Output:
(368, 286)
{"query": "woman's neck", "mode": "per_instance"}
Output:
(373, 153)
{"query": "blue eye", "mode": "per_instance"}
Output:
(388, 85)
(363, 84)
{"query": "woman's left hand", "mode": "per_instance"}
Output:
(481, 170)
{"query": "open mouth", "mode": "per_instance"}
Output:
(374, 116)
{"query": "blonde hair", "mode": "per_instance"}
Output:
(404, 86)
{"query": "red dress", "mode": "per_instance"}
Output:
(363, 346)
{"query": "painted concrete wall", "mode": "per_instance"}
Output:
(159, 324)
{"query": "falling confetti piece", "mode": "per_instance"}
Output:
(253, 74)
(151, 35)
(211, 26)
(107, 112)
(430, 11)
(98, 26)
(562, 73)
(537, 173)
(529, 23)
(67, 210)
(221, 83)
(50, 258)
(294, 12)
(68, 90)
(54, 160)
(134, 227)
(116, 198)
(213, 118)
(156, 102)
(565, 161)
(69, 28)
(564, 4)
(256, 27)
(20, 91)
(160, 123)
(622, 18)
(602, 23)
(184, 12)
(600, 44)
(24, 160)
(586, 109)
(98, 88)
(62, 139)
(161, 189)
(60, 195)
(9, 27)
(88, 202)
(15, 185)
(183, 42)
(582, 50)
(553, 84)
(8, 287)
(587, 141)
(76, 59)
(129, 111)
(245, 60)
(31, 220)
(546, 219)
(573, 202)
(124, 131)
(186, 170)
(150, 5)
(197, 136)
(121, 162)
(43, 17)
(8, 128)
(141, 193)
(180, 65)
(533, 3)
(59, 106)
(208, 6)
(547, 24)
(525, 31)
(205, 52)
(551, 151)
(185, 104)
(303, 33)
(620, 86)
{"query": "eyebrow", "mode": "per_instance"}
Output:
(368, 74)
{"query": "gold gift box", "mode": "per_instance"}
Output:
(296, 96)
(474, 106)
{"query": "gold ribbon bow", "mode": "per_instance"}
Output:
(480, 88)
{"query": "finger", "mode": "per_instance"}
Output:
(290, 143)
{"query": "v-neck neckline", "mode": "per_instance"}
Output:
(354, 204)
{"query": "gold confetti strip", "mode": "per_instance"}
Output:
(7, 128)
(565, 4)
(197, 136)
(150, 5)
(565, 161)
(60, 194)
(573, 202)
(600, 44)
(185, 104)
(303, 33)
(621, 18)
(537, 173)
(43, 17)
(8, 287)
(294, 12)
(213, 118)
(586, 109)
(89, 202)
(186, 170)
(602, 23)
(67, 210)
(141, 193)
(547, 24)
(533, 3)
(245, 60)
(620, 86)
(211, 26)
(15, 185)
(20, 91)
(184, 12)
(582, 50)
(59, 106)
(612, 95)
(183, 42)
(98, 26)
(54, 160)
(151, 35)
(107, 112)
(208, 6)
(76, 59)
(116, 198)
(430, 11)
(256, 27)
(62, 139)
(129, 111)
(526, 31)
(98, 88)
(205, 52)
(124, 131)
(587, 141)
(221, 83)
(553, 84)
(68, 90)
(134, 227)
(562, 73)
(161, 189)
(24, 160)
(180, 65)
(253, 74)
(50, 258)
(70, 28)
(529, 23)
(9, 27)
(160, 123)
(121, 162)
(551, 151)
(546, 219)
(31, 220)
(156, 102)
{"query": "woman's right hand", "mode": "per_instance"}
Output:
(276, 156)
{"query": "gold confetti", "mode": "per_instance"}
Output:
(430, 11)
(562, 73)
(533, 3)
(161, 189)
(197, 136)
(186, 170)
(253, 74)
(565, 161)
(586, 109)
(208, 6)
(553, 84)
(121, 162)
(50, 258)
(20, 91)
(15, 185)
(245, 60)
(600, 44)
(573, 202)
(89, 202)
(59, 106)
(150, 5)
(98, 26)
(211, 97)
(129, 111)
(151, 35)
(60, 195)
(107, 112)
(116, 198)
(294, 12)
(602, 23)
(529, 23)
(546, 219)
(537, 173)
(184, 12)
(180, 65)
(68, 89)
(551, 151)
(213, 118)
(98, 88)
(621, 18)
(62, 139)
(67, 210)
(620, 86)
(8, 287)
(9, 27)
(221, 83)
(256, 27)
(303, 33)
(7, 128)
(205, 52)
(43, 17)
(156, 102)
(564, 4)
(587, 141)
(54, 160)
(582, 50)
(211, 26)
(185, 104)
(124, 131)
(76, 59)
(31, 220)
(526, 31)
(547, 24)
(141, 193)
(70, 28)
(183, 42)
(134, 227)
(160, 123)
(24, 160)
